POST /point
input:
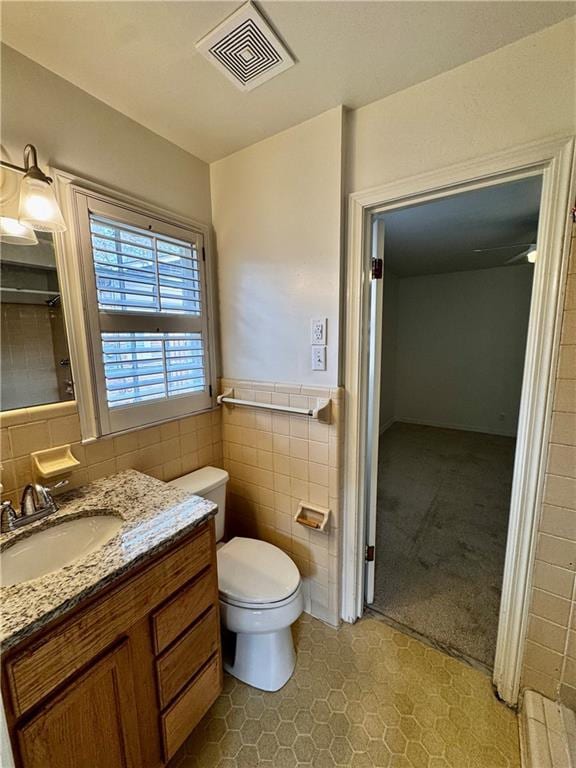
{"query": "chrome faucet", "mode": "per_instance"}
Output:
(36, 503)
(8, 516)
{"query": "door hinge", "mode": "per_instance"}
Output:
(377, 269)
(210, 389)
(203, 253)
(370, 554)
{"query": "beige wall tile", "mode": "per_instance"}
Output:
(571, 644)
(5, 445)
(537, 681)
(29, 438)
(558, 581)
(568, 327)
(99, 451)
(318, 452)
(547, 634)
(551, 607)
(169, 430)
(563, 428)
(562, 460)
(560, 491)
(558, 521)
(96, 471)
(565, 399)
(543, 659)
(567, 362)
(64, 429)
(556, 551)
(569, 674)
(568, 696)
(570, 298)
(126, 443)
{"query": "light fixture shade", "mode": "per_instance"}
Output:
(14, 232)
(39, 208)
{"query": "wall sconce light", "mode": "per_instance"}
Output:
(38, 209)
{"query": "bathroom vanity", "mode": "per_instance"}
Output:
(111, 661)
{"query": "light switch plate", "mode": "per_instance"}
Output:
(318, 330)
(318, 358)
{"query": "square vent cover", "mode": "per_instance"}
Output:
(245, 49)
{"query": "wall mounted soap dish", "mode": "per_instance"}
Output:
(54, 462)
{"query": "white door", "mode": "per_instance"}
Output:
(373, 405)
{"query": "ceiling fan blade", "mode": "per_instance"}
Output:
(503, 247)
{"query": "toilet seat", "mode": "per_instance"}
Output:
(256, 575)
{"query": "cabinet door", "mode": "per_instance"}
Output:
(92, 724)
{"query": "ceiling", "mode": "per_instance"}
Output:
(440, 236)
(139, 57)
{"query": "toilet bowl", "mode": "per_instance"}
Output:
(260, 592)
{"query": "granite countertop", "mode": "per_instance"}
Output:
(154, 515)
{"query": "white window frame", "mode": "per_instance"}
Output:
(78, 199)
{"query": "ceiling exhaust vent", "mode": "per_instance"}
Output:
(245, 49)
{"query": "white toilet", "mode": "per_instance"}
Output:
(260, 595)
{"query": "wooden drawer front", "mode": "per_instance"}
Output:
(187, 711)
(60, 653)
(180, 663)
(171, 620)
(93, 722)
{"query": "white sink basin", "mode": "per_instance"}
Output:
(53, 548)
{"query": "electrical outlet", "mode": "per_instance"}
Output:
(318, 358)
(318, 330)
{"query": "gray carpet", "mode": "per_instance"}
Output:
(443, 503)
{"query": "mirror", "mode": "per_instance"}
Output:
(35, 363)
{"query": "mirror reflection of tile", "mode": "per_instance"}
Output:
(35, 359)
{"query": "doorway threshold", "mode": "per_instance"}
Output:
(442, 647)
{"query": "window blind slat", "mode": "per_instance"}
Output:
(139, 366)
(139, 274)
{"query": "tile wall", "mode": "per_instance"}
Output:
(165, 451)
(27, 355)
(277, 460)
(550, 657)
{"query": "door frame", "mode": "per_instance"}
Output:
(554, 160)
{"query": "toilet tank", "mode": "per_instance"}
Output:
(210, 483)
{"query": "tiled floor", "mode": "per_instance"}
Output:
(362, 696)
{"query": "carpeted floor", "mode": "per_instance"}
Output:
(443, 503)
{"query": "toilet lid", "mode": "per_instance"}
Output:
(252, 571)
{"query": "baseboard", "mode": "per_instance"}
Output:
(460, 427)
(386, 425)
(547, 733)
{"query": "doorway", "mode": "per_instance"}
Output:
(457, 285)
(553, 160)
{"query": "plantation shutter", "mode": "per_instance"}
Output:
(149, 330)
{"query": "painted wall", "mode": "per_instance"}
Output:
(277, 215)
(523, 92)
(460, 345)
(74, 131)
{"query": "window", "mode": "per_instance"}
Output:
(146, 304)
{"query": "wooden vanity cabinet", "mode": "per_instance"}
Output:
(123, 679)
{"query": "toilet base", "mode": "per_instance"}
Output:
(265, 660)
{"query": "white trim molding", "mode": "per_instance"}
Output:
(76, 308)
(553, 160)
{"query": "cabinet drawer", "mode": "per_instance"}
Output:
(183, 610)
(179, 664)
(191, 706)
(61, 652)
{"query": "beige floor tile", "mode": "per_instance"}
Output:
(361, 696)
